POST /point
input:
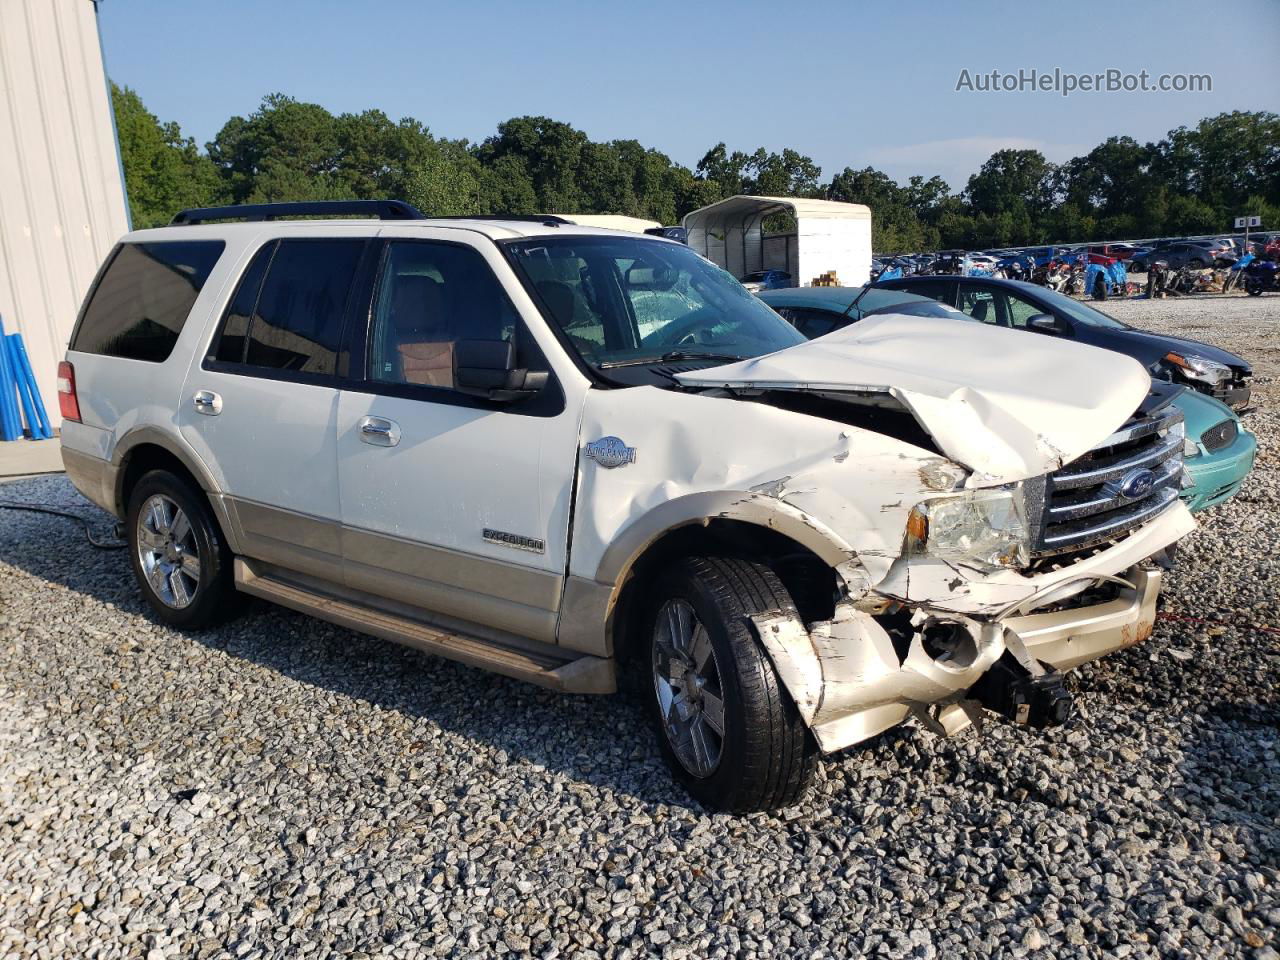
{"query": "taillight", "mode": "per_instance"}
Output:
(68, 404)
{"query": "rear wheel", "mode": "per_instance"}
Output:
(1253, 288)
(725, 723)
(1196, 263)
(179, 557)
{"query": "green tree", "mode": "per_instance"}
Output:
(1011, 179)
(164, 173)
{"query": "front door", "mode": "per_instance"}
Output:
(453, 503)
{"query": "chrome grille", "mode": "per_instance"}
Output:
(1126, 480)
(1220, 436)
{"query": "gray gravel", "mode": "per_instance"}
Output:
(281, 787)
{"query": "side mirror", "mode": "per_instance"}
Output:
(487, 368)
(1043, 322)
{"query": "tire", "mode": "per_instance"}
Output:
(1099, 289)
(183, 569)
(1195, 263)
(1253, 288)
(766, 756)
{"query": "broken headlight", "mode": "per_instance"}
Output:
(987, 527)
(1200, 369)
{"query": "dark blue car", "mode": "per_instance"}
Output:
(1027, 306)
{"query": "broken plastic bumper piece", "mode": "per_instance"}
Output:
(851, 679)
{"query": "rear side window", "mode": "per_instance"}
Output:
(288, 310)
(142, 300)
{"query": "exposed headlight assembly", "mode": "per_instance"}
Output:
(987, 527)
(1200, 369)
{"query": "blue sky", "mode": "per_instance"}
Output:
(849, 84)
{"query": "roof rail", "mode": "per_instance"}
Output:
(546, 219)
(381, 209)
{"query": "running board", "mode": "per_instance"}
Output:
(540, 663)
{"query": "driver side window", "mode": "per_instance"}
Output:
(430, 296)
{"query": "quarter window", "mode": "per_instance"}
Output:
(140, 304)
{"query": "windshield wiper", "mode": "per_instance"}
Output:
(668, 357)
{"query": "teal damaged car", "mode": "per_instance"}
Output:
(1218, 452)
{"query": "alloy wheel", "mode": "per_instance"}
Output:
(168, 552)
(686, 678)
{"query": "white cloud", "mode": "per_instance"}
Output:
(957, 159)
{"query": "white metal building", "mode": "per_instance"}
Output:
(62, 199)
(828, 236)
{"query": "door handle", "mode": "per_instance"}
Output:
(379, 431)
(207, 402)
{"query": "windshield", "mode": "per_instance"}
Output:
(627, 301)
(1081, 312)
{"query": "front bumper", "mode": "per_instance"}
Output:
(1235, 395)
(1218, 476)
(850, 682)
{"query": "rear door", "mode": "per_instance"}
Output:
(453, 503)
(261, 406)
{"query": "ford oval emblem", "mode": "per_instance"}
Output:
(1137, 483)
(610, 452)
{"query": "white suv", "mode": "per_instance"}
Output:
(573, 455)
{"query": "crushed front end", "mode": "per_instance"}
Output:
(996, 592)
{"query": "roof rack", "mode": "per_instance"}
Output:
(381, 209)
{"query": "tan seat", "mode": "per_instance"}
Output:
(420, 331)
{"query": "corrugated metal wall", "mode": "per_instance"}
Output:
(62, 202)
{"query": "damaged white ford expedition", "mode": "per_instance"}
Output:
(576, 456)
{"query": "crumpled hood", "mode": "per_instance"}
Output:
(1006, 404)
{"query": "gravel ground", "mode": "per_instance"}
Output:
(281, 787)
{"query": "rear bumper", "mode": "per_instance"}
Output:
(1218, 476)
(93, 477)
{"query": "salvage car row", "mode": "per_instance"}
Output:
(581, 457)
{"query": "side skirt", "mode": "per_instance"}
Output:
(543, 664)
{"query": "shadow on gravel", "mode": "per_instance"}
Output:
(1229, 780)
(536, 725)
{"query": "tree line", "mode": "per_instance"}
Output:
(1195, 180)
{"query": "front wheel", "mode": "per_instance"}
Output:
(725, 723)
(180, 560)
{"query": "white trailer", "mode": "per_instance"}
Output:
(828, 237)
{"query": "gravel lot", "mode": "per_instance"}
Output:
(281, 787)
